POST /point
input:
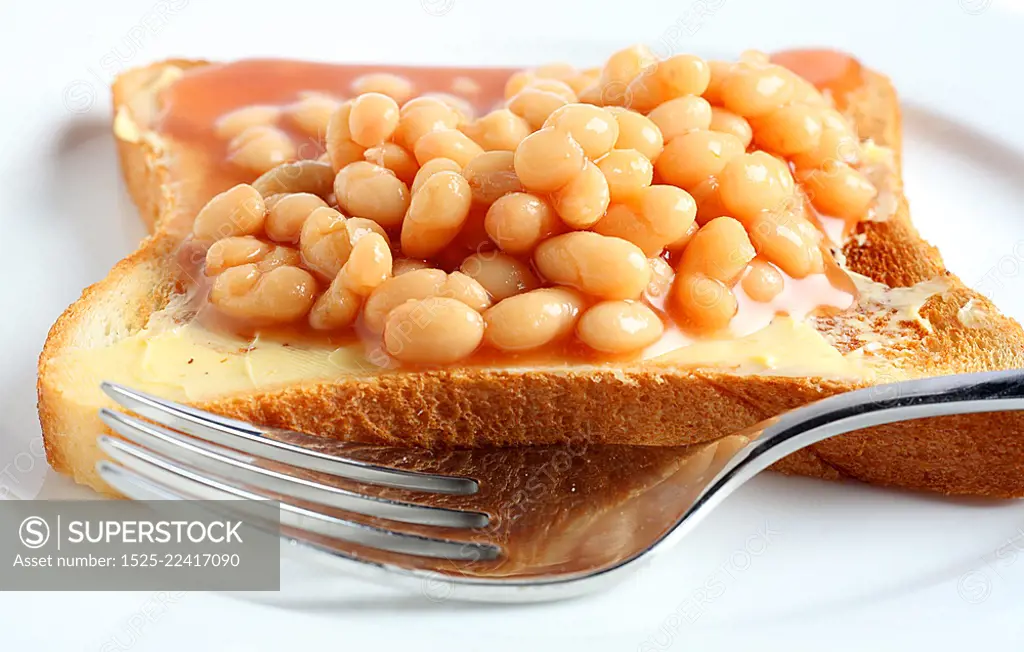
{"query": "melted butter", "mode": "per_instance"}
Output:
(972, 315)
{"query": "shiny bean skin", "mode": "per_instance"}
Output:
(432, 167)
(492, 175)
(416, 284)
(237, 211)
(518, 221)
(601, 266)
(532, 319)
(286, 217)
(751, 183)
(498, 130)
(762, 282)
(548, 159)
(584, 200)
(338, 307)
(702, 304)
(278, 296)
(368, 265)
(436, 330)
(619, 327)
(694, 156)
(324, 242)
(500, 274)
(721, 250)
(436, 215)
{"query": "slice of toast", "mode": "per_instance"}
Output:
(917, 320)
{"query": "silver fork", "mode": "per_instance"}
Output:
(499, 525)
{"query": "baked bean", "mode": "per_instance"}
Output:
(287, 214)
(415, 284)
(762, 281)
(695, 156)
(619, 326)
(463, 108)
(721, 250)
(677, 76)
(394, 158)
(368, 265)
(680, 244)
(312, 114)
(419, 117)
(592, 127)
(627, 172)
(751, 183)
(236, 211)
(518, 221)
(623, 66)
(462, 288)
(838, 190)
(314, 177)
(261, 148)
(787, 240)
(535, 105)
(436, 330)
(677, 117)
(755, 90)
(709, 200)
(359, 227)
(517, 82)
(432, 167)
(436, 214)
(501, 275)
(341, 149)
(601, 266)
(718, 70)
(532, 319)
(637, 131)
(837, 143)
(661, 277)
(404, 265)
(559, 70)
(728, 122)
(583, 80)
(702, 303)
(398, 88)
(336, 308)
(373, 192)
(277, 296)
(446, 143)
(498, 130)
(234, 251)
(755, 57)
(465, 87)
(548, 159)
(325, 242)
(232, 124)
(584, 200)
(661, 215)
(666, 212)
(789, 130)
(491, 175)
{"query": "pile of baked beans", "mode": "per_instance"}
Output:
(607, 203)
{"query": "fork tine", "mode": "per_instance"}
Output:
(237, 468)
(179, 481)
(251, 439)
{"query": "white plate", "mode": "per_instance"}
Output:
(787, 561)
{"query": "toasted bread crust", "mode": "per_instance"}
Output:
(973, 454)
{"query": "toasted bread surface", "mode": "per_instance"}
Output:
(459, 407)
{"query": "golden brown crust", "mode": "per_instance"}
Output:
(976, 454)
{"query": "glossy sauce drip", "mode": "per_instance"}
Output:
(193, 104)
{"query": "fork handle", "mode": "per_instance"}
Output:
(990, 391)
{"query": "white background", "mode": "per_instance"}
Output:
(804, 564)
